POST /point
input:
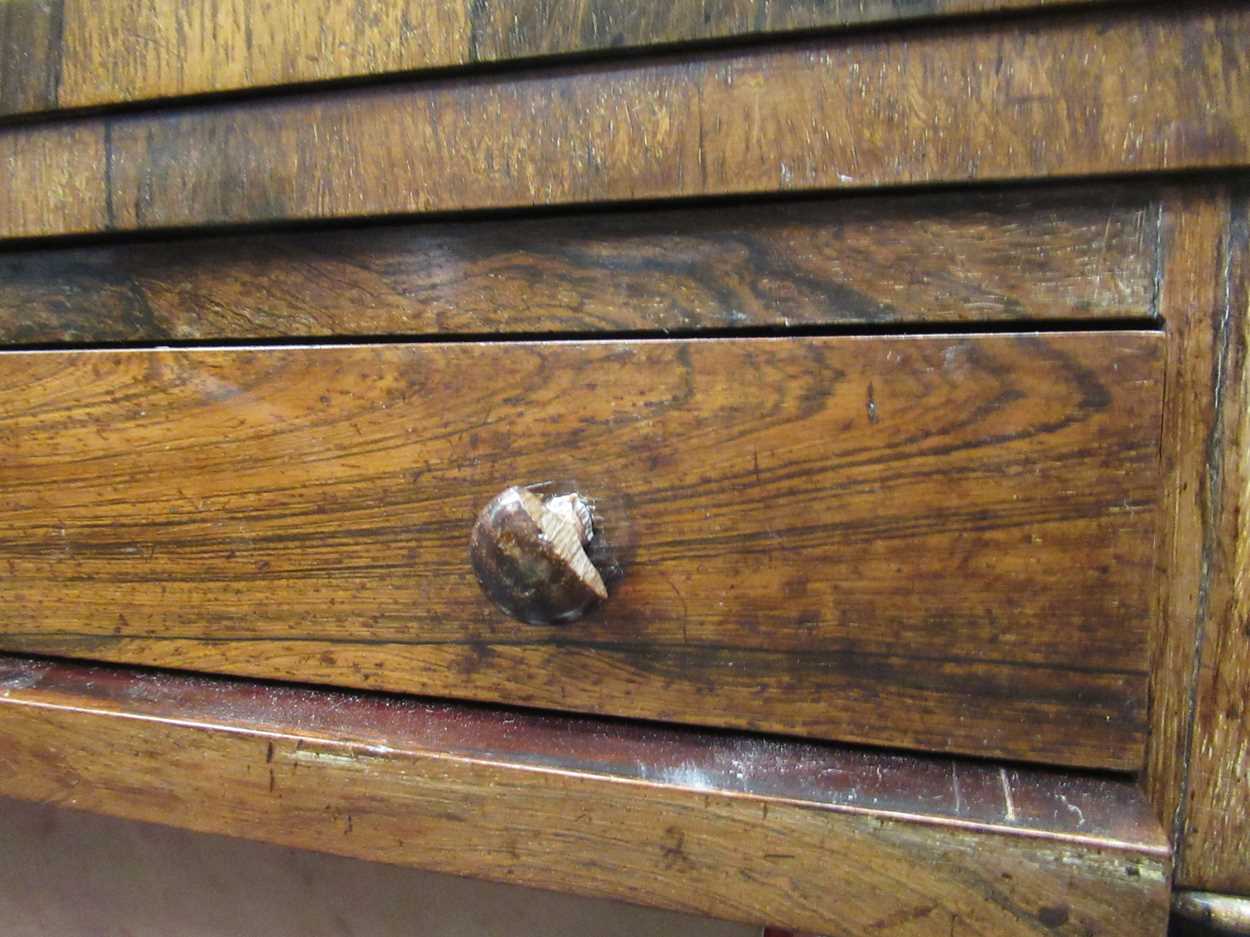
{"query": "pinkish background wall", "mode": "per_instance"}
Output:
(70, 874)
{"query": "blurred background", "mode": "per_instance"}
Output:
(69, 874)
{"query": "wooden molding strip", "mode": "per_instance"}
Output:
(1191, 304)
(1200, 668)
(1071, 95)
(1215, 827)
(1086, 252)
(57, 54)
(817, 838)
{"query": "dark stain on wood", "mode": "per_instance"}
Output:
(1054, 916)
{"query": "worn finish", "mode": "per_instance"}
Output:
(1083, 252)
(1215, 853)
(768, 507)
(832, 840)
(1164, 90)
(84, 53)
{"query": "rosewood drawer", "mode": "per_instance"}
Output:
(925, 541)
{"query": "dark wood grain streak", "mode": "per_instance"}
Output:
(115, 51)
(767, 509)
(820, 838)
(1076, 95)
(31, 33)
(1051, 253)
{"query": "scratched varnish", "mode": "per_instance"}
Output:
(869, 539)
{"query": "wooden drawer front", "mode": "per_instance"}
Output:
(942, 542)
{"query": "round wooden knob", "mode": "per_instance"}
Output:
(530, 558)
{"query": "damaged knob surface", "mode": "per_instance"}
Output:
(530, 558)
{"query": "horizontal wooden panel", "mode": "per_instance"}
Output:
(1069, 253)
(1167, 90)
(83, 53)
(813, 837)
(868, 539)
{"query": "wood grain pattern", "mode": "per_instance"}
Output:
(1215, 853)
(1164, 90)
(1078, 253)
(766, 510)
(85, 53)
(53, 178)
(836, 841)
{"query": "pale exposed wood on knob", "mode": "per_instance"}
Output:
(530, 559)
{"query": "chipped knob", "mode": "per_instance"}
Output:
(530, 557)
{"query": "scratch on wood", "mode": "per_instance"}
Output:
(1011, 807)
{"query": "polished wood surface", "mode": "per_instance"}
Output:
(861, 538)
(819, 838)
(1113, 93)
(1074, 253)
(57, 54)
